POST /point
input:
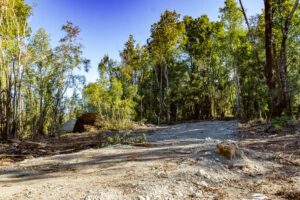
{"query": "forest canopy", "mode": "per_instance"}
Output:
(245, 67)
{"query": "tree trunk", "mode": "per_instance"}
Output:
(283, 74)
(268, 68)
(240, 110)
(279, 100)
(160, 95)
(168, 95)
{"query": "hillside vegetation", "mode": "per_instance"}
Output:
(239, 66)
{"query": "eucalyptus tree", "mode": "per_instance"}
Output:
(96, 99)
(209, 83)
(233, 19)
(112, 96)
(277, 33)
(40, 76)
(129, 68)
(14, 32)
(164, 43)
(199, 49)
(279, 18)
(293, 62)
(145, 83)
(68, 57)
(107, 69)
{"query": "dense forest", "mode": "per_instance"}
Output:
(240, 66)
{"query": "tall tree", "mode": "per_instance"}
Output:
(42, 72)
(13, 60)
(166, 36)
(233, 19)
(278, 16)
(278, 20)
(68, 56)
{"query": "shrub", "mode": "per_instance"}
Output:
(141, 139)
(126, 138)
(111, 140)
(279, 123)
(118, 125)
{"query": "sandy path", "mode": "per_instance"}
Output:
(182, 165)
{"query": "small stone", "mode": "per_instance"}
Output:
(203, 183)
(201, 172)
(141, 198)
(87, 197)
(197, 194)
(162, 175)
(179, 194)
(259, 197)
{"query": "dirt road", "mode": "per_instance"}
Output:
(181, 164)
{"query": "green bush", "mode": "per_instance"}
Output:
(126, 138)
(111, 140)
(279, 123)
(141, 139)
(118, 125)
(256, 121)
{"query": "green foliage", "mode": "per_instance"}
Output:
(109, 102)
(279, 123)
(113, 96)
(164, 45)
(126, 138)
(34, 77)
(112, 140)
(258, 121)
(121, 124)
(14, 32)
(189, 69)
(141, 139)
(195, 69)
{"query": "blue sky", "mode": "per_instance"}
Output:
(106, 24)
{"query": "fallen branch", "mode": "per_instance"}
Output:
(289, 160)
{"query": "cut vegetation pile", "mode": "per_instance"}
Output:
(88, 122)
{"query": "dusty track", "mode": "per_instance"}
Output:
(181, 164)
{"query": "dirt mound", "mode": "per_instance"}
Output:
(86, 121)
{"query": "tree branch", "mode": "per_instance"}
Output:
(245, 15)
(252, 41)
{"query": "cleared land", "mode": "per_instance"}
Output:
(180, 162)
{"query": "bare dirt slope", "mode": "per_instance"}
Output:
(181, 164)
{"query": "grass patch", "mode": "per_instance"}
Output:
(117, 125)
